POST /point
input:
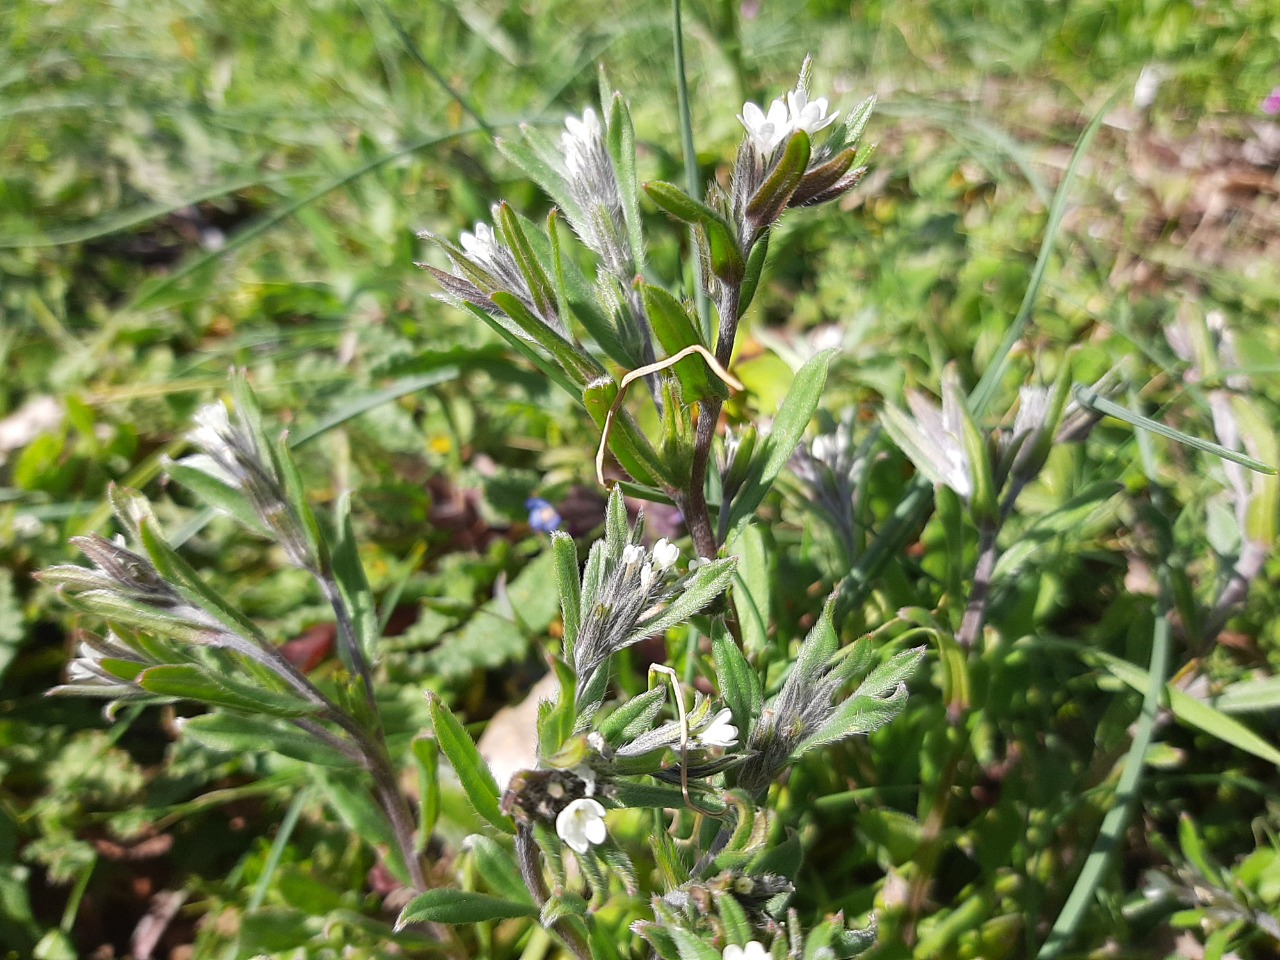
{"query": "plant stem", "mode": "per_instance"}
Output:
(530, 862)
(398, 813)
(693, 502)
(349, 642)
(975, 613)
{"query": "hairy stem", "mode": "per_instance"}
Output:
(398, 813)
(530, 862)
(348, 640)
(975, 613)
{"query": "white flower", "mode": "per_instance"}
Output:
(213, 424)
(806, 115)
(646, 576)
(581, 824)
(697, 563)
(632, 555)
(580, 138)
(754, 950)
(766, 131)
(481, 245)
(665, 554)
(720, 732)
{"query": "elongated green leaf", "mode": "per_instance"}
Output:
(225, 498)
(351, 801)
(184, 576)
(348, 571)
(427, 755)
(239, 734)
(460, 906)
(496, 865)
(699, 589)
(788, 427)
(510, 331)
(189, 682)
(1094, 401)
(739, 684)
(1195, 712)
(751, 595)
(889, 675)
(632, 718)
(630, 793)
(579, 366)
(578, 299)
(539, 284)
(726, 256)
(775, 193)
(856, 715)
(570, 586)
(622, 147)
(675, 330)
(473, 773)
(537, 166)
(755, 267)
(691, 946)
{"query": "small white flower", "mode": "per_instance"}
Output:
(766, 131)
(720, 732)
(665, 554)
(646, 576)
(213, 424)
(580, 138)
(481, 245)
(809, 116)
(754, 950)
(697, 563)
(632, 556)
(581, 824)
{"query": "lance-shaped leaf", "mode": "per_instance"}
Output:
(241, 734)
(789, 425)
(698, 589)
(539, 158)
(473, 773)
(565, 554)
(775, 193)
(515, 336)
(577, 364)
(539, 284)
(727, 261)
(739, 684)
(577, 298)
(627, 442)
(675, 330)
(189, 682)
(632, 718)
(221, 496)
(878, 699)
(497, 866)
(621, 141)
(444, 905)
(348, 571)
(755, 267)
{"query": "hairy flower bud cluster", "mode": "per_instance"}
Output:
(634, 587)
(482, 265)
(231, 453)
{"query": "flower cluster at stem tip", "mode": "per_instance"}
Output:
(785, 116)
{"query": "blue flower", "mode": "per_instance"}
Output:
(542, 515)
